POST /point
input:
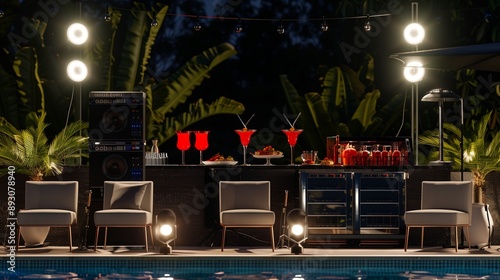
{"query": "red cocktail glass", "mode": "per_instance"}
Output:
(201, 142)
(292, 135)
(245, 135)
(183, 142)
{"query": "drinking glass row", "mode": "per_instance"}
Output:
(201, 141)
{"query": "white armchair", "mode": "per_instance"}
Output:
(126, 204)
(245, 204)
(49, 204)
(443, 204)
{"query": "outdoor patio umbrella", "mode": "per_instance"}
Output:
(482, 57)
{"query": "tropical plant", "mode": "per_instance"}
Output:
(118, 57)
(32, 153)
(344, 107)
(164, 98)
(481, 149)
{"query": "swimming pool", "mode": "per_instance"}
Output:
(273, 267)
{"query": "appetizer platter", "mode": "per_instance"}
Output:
(267, 153)
(219, 159)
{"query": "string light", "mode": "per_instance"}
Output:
(107, 15)
(197, 25)
(2, 12)
(280, 29)
(154, 22)
(368, 25)
(324, 26)
(488, 16)
(238, 28)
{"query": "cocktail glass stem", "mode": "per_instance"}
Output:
(244, 155)
(291, 155)
(183, 161)
(201, 157)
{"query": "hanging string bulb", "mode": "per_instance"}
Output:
(368, 25)
(154, 22)
(197, 25)
(107, 15)
(238, 28)
(324, 25)
(280, 29)
(488, 16)
(2, 12)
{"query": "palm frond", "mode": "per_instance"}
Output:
(481, 150)
(31, 153)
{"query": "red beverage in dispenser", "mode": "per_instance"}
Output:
(396, 157)
(348, 155)
(377, 156)
(385, 156)
(365, 155)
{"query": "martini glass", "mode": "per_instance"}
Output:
(292, 135)
(201, 142)
(245, 135)
(183, 143)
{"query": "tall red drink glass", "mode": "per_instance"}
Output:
(245, 135)
(292, 135)
(183, 142)
(201, 142)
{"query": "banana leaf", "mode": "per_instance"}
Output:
(148, 41)
(129, 54)
(367, 109)
(102, 54)
(175, 90)
(196, 112)
(9, 107)
(334, 92)
(299, 104)
(386, 117)
(29, 85)
(321, 118)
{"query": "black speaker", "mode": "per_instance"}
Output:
(116, 115)
(116, 161)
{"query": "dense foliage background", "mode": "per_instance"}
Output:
(252, 76)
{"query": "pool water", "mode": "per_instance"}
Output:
(359, 274)
(300, 268)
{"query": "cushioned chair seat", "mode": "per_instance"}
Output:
(437, 217)
(122, 217)
(46, 217)
(234, 217)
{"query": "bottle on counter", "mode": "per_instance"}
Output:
(376, 156)
(396, 156)
(337, 152)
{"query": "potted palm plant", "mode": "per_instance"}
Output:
(32, 154)
(481, 156)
